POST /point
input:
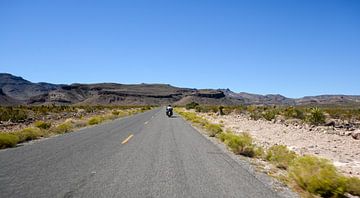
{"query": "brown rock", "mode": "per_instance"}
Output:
(356, 135)
(331, 123)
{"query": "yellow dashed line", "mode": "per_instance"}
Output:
(127, 139)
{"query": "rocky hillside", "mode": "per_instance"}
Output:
(276, 99)
(20, 89)
(16, 90)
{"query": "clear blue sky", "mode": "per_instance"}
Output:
(291, 47)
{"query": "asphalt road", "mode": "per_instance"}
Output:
(146, 155)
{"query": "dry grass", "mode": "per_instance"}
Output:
(317, 176)
(280, 155)
(8, 140)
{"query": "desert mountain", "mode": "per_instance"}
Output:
(20, 89)
(16, 90)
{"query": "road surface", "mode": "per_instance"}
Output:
(146, 155)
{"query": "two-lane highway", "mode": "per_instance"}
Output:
(146, 155)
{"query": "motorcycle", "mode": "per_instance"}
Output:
(169, 112)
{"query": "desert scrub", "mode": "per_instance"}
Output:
(109, 117)
(192, 117)
(42, 125)
(80, 123)
(224, 135)
(213, 129)
(206, 109)
(316, 116)
(28, 134)
(12, 114)
(120, 113)
(353, 186)
(62, 128)
(292, 112)
(191, 105)
(8, 140)
(259, 152)
(145, 108)
(317, 176)
(280, 155)
(269, 115)
(240, 144)
(95, 120)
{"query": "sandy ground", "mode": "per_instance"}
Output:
(343, 150)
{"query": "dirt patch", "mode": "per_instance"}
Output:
(331, 143)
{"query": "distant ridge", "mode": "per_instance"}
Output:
(15, 90)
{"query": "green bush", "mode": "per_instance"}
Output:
(42, 125)
(255, 115)
(292, 112)
(8, 140)
(12, 114)
(95, 120)
(353, 186)
(191, 105)
(316, 116)
(317, 176)
(62, 128)
(240, 144)
(223, 136)
(28, 134)
(269, 115)
(280, 155)
(213, 129)
(192, 117)
(259, 152)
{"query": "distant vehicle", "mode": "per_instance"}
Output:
(169, 111)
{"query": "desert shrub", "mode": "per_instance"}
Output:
(292, 112)
(12, 114)
(206, 109)
(259, 152)
(62, 128)
(317, 176)
(42, 125)
(353, 186)
(115, 112)
(95, 120)
(227, 110)
(280, 155)
(269, 115)
(213, 129)
(255, 115)
(191, 105)
(28, 134)
(192, 117)
(8, 140)
(223, 136)
(240, 144)
(145, 108)
(316, 116)
(109, 117)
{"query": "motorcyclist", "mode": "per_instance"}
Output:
(169, 110)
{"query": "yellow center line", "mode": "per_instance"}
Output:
(127, 139)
